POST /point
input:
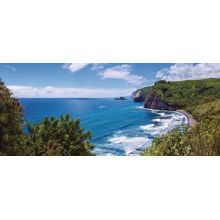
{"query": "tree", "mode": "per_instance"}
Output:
(11, 119)
(62, 137)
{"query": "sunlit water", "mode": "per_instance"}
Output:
(118, 127)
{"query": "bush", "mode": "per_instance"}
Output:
(202, 140)
(62, 137)
(11, 119)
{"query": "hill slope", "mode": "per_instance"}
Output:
(201, 98)
(187, 95)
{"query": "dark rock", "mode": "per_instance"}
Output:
(155, 103)
(120, 98)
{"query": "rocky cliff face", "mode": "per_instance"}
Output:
(138, 96)
(154, 102)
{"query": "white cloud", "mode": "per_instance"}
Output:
(56, 92)
(97, 67)
(123, 72)
(74, 67)
(179, 72)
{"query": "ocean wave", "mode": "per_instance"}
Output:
(132, 140)
(147, 127)
(140, 107)
(130, 145)
(156, 120)
(165, 123)
(102, 106)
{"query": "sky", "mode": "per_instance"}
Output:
(84, 80)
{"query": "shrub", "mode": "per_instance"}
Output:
(11, 119)
(62, 137)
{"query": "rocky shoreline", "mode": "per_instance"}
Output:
(154, 103)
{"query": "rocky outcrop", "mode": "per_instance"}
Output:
(120, 98)
(138, 96)
(154, 102)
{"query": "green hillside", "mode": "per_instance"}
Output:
(201, 98)
(188, 95)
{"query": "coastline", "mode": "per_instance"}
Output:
(191, 121)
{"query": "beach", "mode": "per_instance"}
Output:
(191, 121)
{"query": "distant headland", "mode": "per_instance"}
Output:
(120, 98)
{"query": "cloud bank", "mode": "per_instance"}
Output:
(56, 92)
(74, 67)
(178, 72)
(123, 72)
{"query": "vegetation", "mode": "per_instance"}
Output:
(11, 118)
(62, 137)
(201, 98)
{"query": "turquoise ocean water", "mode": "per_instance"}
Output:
(118, 127)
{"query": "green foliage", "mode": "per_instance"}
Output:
(203, 111)
(62, 137)
(201, 98)
(144, 91)
(187, 94)
(203, 139)
(11, 118)
(171, 144)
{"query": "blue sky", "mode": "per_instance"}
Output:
(95, 80)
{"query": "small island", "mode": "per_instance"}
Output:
(120, 98)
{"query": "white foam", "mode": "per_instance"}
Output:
(143, 135)
(165, 123)
(129, 144)
(102, 106)
(140, 107)
(147, 127)
(158, 112)
(161, 113)
(157, 120)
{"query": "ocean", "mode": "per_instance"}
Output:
(118, 127)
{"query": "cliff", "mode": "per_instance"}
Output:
(154, 102)
(190, 95)
(140, 94)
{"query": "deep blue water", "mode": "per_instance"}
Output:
(118, 127)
